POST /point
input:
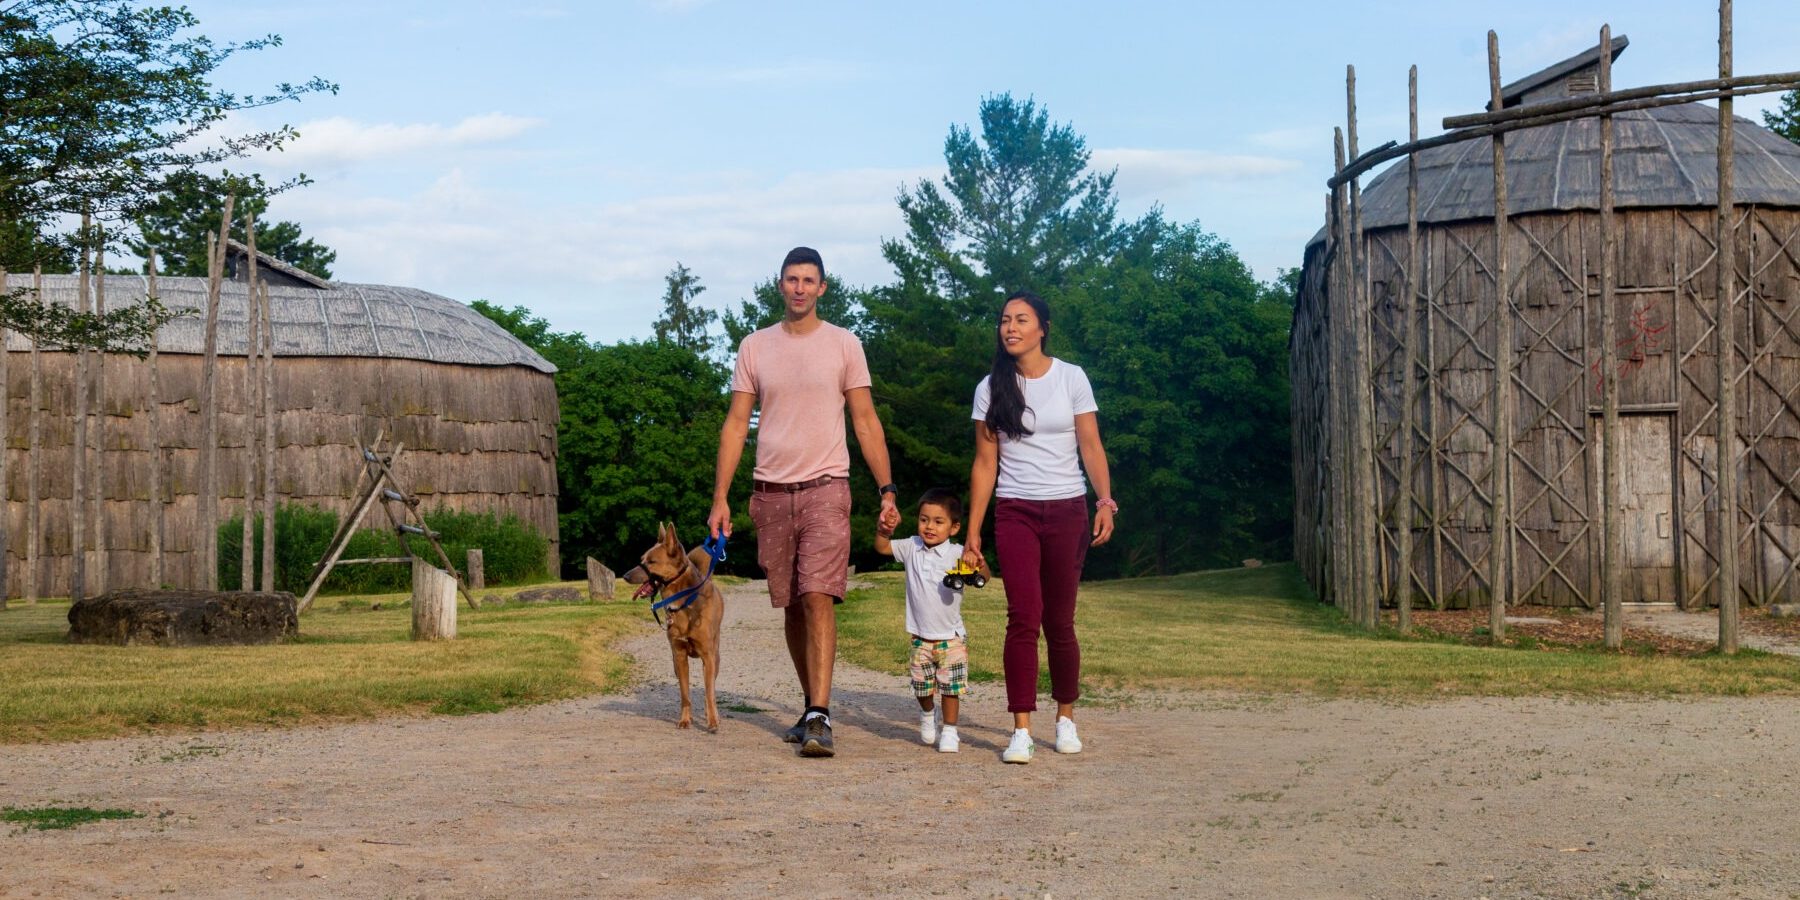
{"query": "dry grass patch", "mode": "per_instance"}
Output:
(1257, 630)
(354, 659)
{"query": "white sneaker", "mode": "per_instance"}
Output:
(947, 741)
(1067, 741)
(1019, 751)
(928, 726)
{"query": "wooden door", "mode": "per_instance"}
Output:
(1648, 515)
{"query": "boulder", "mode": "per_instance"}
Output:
(1252, 563)
(549, 595)
(184, 618)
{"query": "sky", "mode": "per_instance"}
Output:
(564, 156)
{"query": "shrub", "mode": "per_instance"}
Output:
(512, 552)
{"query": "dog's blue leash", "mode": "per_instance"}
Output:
(678, 601)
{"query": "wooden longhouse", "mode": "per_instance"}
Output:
(1665, 190)
(475, 409)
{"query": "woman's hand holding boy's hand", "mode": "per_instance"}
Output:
(972, 553)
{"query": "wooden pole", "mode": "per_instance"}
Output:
(1409, 395)
(271, 451)
(1589, 102)
(33, 465)
(252, 323)
(1394, 150)
(1341, 565)
(1612, 537)
(433, 603)
(5, 458)
(78, 446)
(207, 518)
(477, 567)
(1367, 515)
(97, 487)
(1726, 335)
(153, 405)
(1500, 529)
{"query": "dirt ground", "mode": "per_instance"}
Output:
(1184, 795)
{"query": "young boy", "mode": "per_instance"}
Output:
(940, 659)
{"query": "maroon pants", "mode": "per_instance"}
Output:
(1042, 545)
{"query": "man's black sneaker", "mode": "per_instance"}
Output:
(797, 733)
(818, 738)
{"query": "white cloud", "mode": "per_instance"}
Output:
(1160, 173)
(599, 268)
(339, 140)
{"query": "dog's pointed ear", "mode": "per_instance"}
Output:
(668, 535)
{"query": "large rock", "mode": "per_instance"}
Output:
(184, 618)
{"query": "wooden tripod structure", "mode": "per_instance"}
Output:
(383, 486)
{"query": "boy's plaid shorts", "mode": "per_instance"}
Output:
(940, 667)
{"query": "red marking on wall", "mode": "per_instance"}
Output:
(1646, 338)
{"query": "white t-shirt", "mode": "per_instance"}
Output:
(1045, 465)
(933, 612)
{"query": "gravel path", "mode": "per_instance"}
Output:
(1178, 795)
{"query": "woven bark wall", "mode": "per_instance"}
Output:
(477, 439)
(1665, 295)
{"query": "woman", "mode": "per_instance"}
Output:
(1035, 431)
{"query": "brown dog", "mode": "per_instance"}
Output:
(694, 628)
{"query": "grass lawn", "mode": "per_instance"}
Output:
(1256, 630)
(351, 661)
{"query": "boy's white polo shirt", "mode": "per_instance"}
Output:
(933, 612)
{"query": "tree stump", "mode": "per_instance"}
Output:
(600, 580)
(477, 574)
(433, 603)
(184, 618)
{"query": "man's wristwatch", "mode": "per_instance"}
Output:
(889, 488)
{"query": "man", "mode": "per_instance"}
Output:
(802, 372)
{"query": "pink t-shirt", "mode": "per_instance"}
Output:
(799, 383)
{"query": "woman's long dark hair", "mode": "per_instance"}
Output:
(1006, 399)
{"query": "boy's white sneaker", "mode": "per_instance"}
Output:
(947, 741)
(1067, 741)
(1019, 751)
(928, 726)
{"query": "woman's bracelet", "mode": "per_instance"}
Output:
(1107, 503)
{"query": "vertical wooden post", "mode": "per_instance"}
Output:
(270, 449)
(1612, 538)
(1338, 319)
(1367, 512)
(1500, 530)
(1726, 333)
(78, 446)
(97, 486)
(1409, 396)
(34, 539)
(153, 405)
(477, 570)
(5, 458)
(206, 541)
(252, 322)
(433, 603)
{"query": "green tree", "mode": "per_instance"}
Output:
(1785, 120)
(636, 443)
(685, 323)
(640, 428)
(1019, 209)
(1188, 356)
(101, 102)
(177, 221)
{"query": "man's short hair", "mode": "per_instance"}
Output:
(945, 498)
(804, 255)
